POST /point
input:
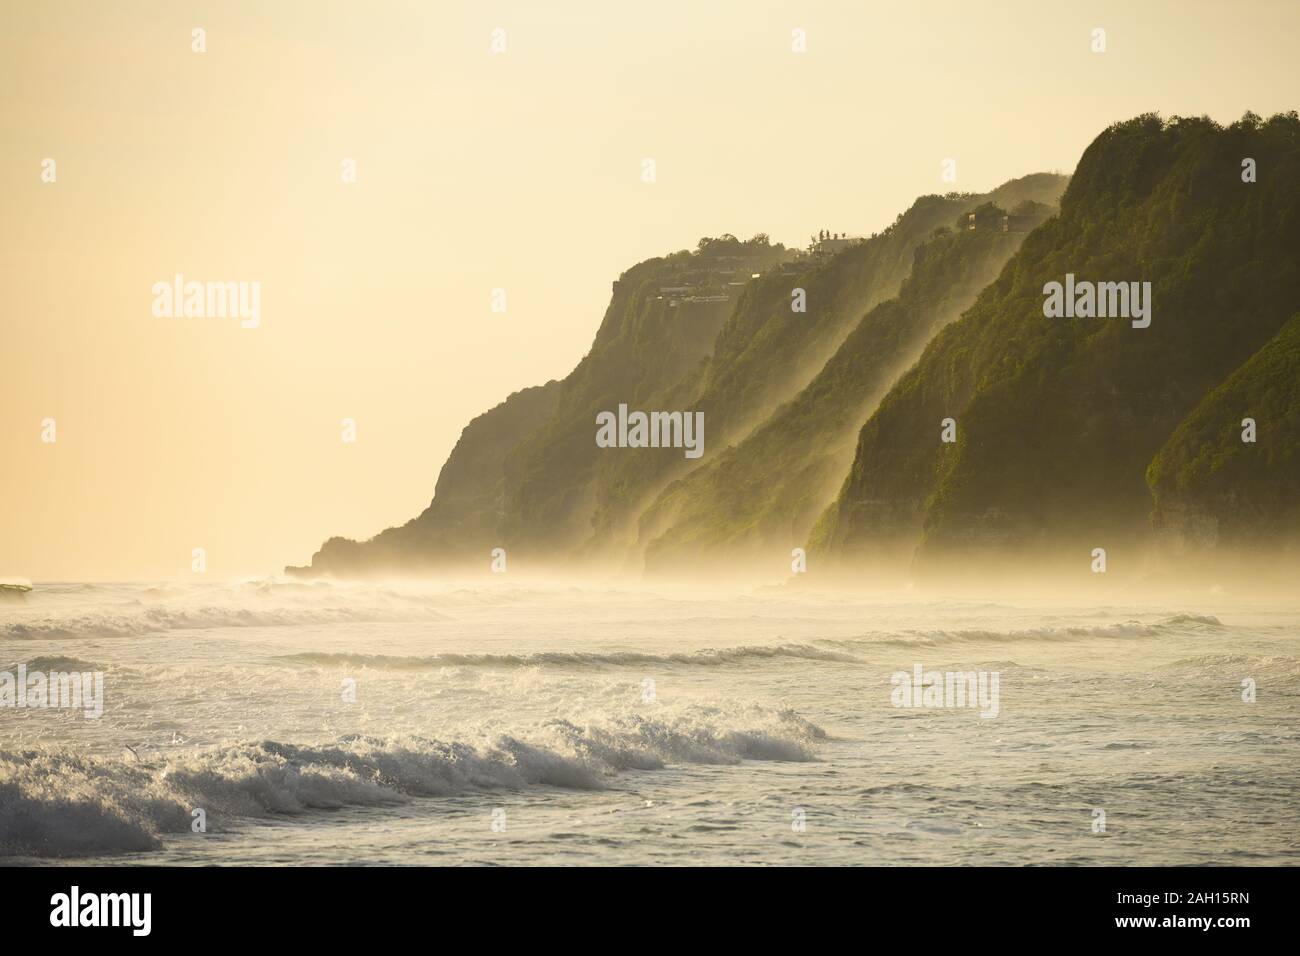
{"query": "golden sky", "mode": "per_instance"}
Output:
(475, 170)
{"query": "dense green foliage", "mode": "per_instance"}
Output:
(763, 495)
(1058, 418)
(647, 342)
(1071, 432)
(1209, 486)
(766, 352)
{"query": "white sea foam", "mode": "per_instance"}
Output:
(618, 727)
(59, 803)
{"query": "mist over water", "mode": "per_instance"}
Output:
(646, 725)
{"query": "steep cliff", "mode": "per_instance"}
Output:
(767, 352)
(1057, 419)
(755, 501)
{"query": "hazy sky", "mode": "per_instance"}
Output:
(475, 171)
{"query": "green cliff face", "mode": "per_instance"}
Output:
(661, 322)
(757, 500)
(518, 474)
(690, 331)
(1070, 432)
(1057, 419)
(767, 352)
(1223, 480)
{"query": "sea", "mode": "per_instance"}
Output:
(281, 722)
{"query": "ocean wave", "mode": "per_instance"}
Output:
(63, 804)
(153, 620)
(1181, 623)
(705, 657)
(1192, 621)
(1238, 665)
(835, 650)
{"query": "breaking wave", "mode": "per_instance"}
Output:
(834, 650)
(58, 803)
(1181, 623)
(1279, 669)
(706, 657)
